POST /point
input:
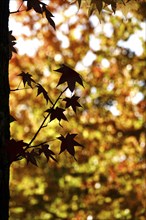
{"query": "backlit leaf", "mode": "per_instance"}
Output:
(70, 76)
(42, 91)
(56, 113)
(68, 143)
(34, 4)
(47, 152)
(27, 78)
(73, 102)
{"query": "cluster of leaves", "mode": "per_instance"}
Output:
(108, 5)
(18, 149)
(109, 172)
(39, 7)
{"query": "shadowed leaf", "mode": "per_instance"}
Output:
(56, 113)
(34, 4)
(47, 152)
(48, 16)
(73, 102)
(42, 91)
(68, 143)
(26, 78)
(15, 149)
(70, 76)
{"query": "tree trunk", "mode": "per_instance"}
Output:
(4, 109)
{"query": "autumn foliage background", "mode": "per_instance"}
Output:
(107, 181)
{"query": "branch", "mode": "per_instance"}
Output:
(18, 10)
(43, 122)
(13, 90)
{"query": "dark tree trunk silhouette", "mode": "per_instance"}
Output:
(4, 109)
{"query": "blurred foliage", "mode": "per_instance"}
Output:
(107, 182)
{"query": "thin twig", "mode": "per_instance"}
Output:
(43, 122)
(13, 90)
(18, 10)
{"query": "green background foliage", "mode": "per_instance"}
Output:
(107, 181)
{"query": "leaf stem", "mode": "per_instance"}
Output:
(59, 97)
(43, 122)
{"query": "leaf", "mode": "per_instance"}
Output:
(32, 157)
(48, 16)
(68, 143)
(99, 5)
(15, 149)
(12, 118)
(114, 6)
(35, 4)
(47, 152)
(70, 76)
(12, 42)
(42, 91)
(79, 2)
(73, 102)
(26, 78)
(112, 3)
(56, 113)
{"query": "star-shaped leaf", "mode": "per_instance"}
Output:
(42, 91)
(56, 113)
(48, 15)
(47, 152)
(15, 149)
(12, 42)
(35, 4)
(27, 78)
(73, 102)
(32, 157)
(70, 76)
(68, 143)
